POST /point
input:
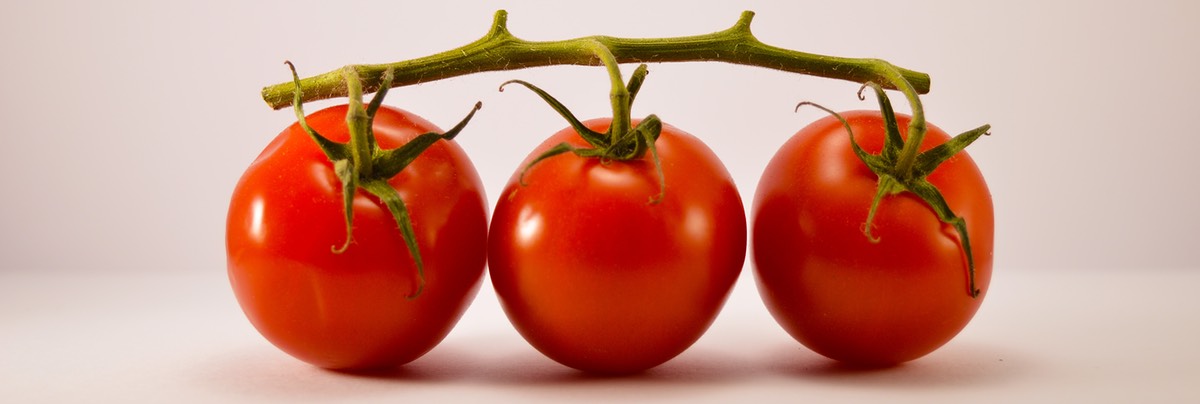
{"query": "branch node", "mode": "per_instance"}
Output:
(499, 25)
(743, 22)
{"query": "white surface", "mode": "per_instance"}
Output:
(1047, 336)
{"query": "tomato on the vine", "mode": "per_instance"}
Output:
(355, 308)
(893, 295)
(600, 271)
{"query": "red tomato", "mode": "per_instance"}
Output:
(833, 289)
(352, 310)
(595, 276)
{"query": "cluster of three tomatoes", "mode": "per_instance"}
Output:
(598, 265)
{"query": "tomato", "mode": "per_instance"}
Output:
(597, 276)
(352, 310)
(832, 288)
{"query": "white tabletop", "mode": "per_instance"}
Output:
(1045, 336)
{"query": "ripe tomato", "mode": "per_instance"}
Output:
(597, 277)
(833, 289)
(352, 310)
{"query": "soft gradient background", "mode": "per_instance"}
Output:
(126, 124)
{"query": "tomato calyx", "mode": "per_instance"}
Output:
(901, 169)
(362, 164)
(622, 141)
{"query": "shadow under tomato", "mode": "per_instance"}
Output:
(521, 370)
(957, 364)
(692, 375)
(508, 366)
(260, 372)
(443, 366)
(529, 368)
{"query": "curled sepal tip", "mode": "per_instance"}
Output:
(932, 158)
(593, 138)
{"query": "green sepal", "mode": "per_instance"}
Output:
(339, 155)
(391, 198)
(596, 139)
(334, 151)
(558, 149)
(892, 142)
(932, 158)
(649, 129)
(390, 162)
(877, 164)
(932, 196)
(376, 102)
(634, 143)
(887, 186)
(551, 152)
(344, 169)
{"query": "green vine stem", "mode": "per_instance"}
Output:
(619, 96)
(916, 127)
(500, 50)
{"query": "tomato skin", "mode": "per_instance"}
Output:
(597, 278)
(831, 288)
(351, 310)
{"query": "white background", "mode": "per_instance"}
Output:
(126, 124)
